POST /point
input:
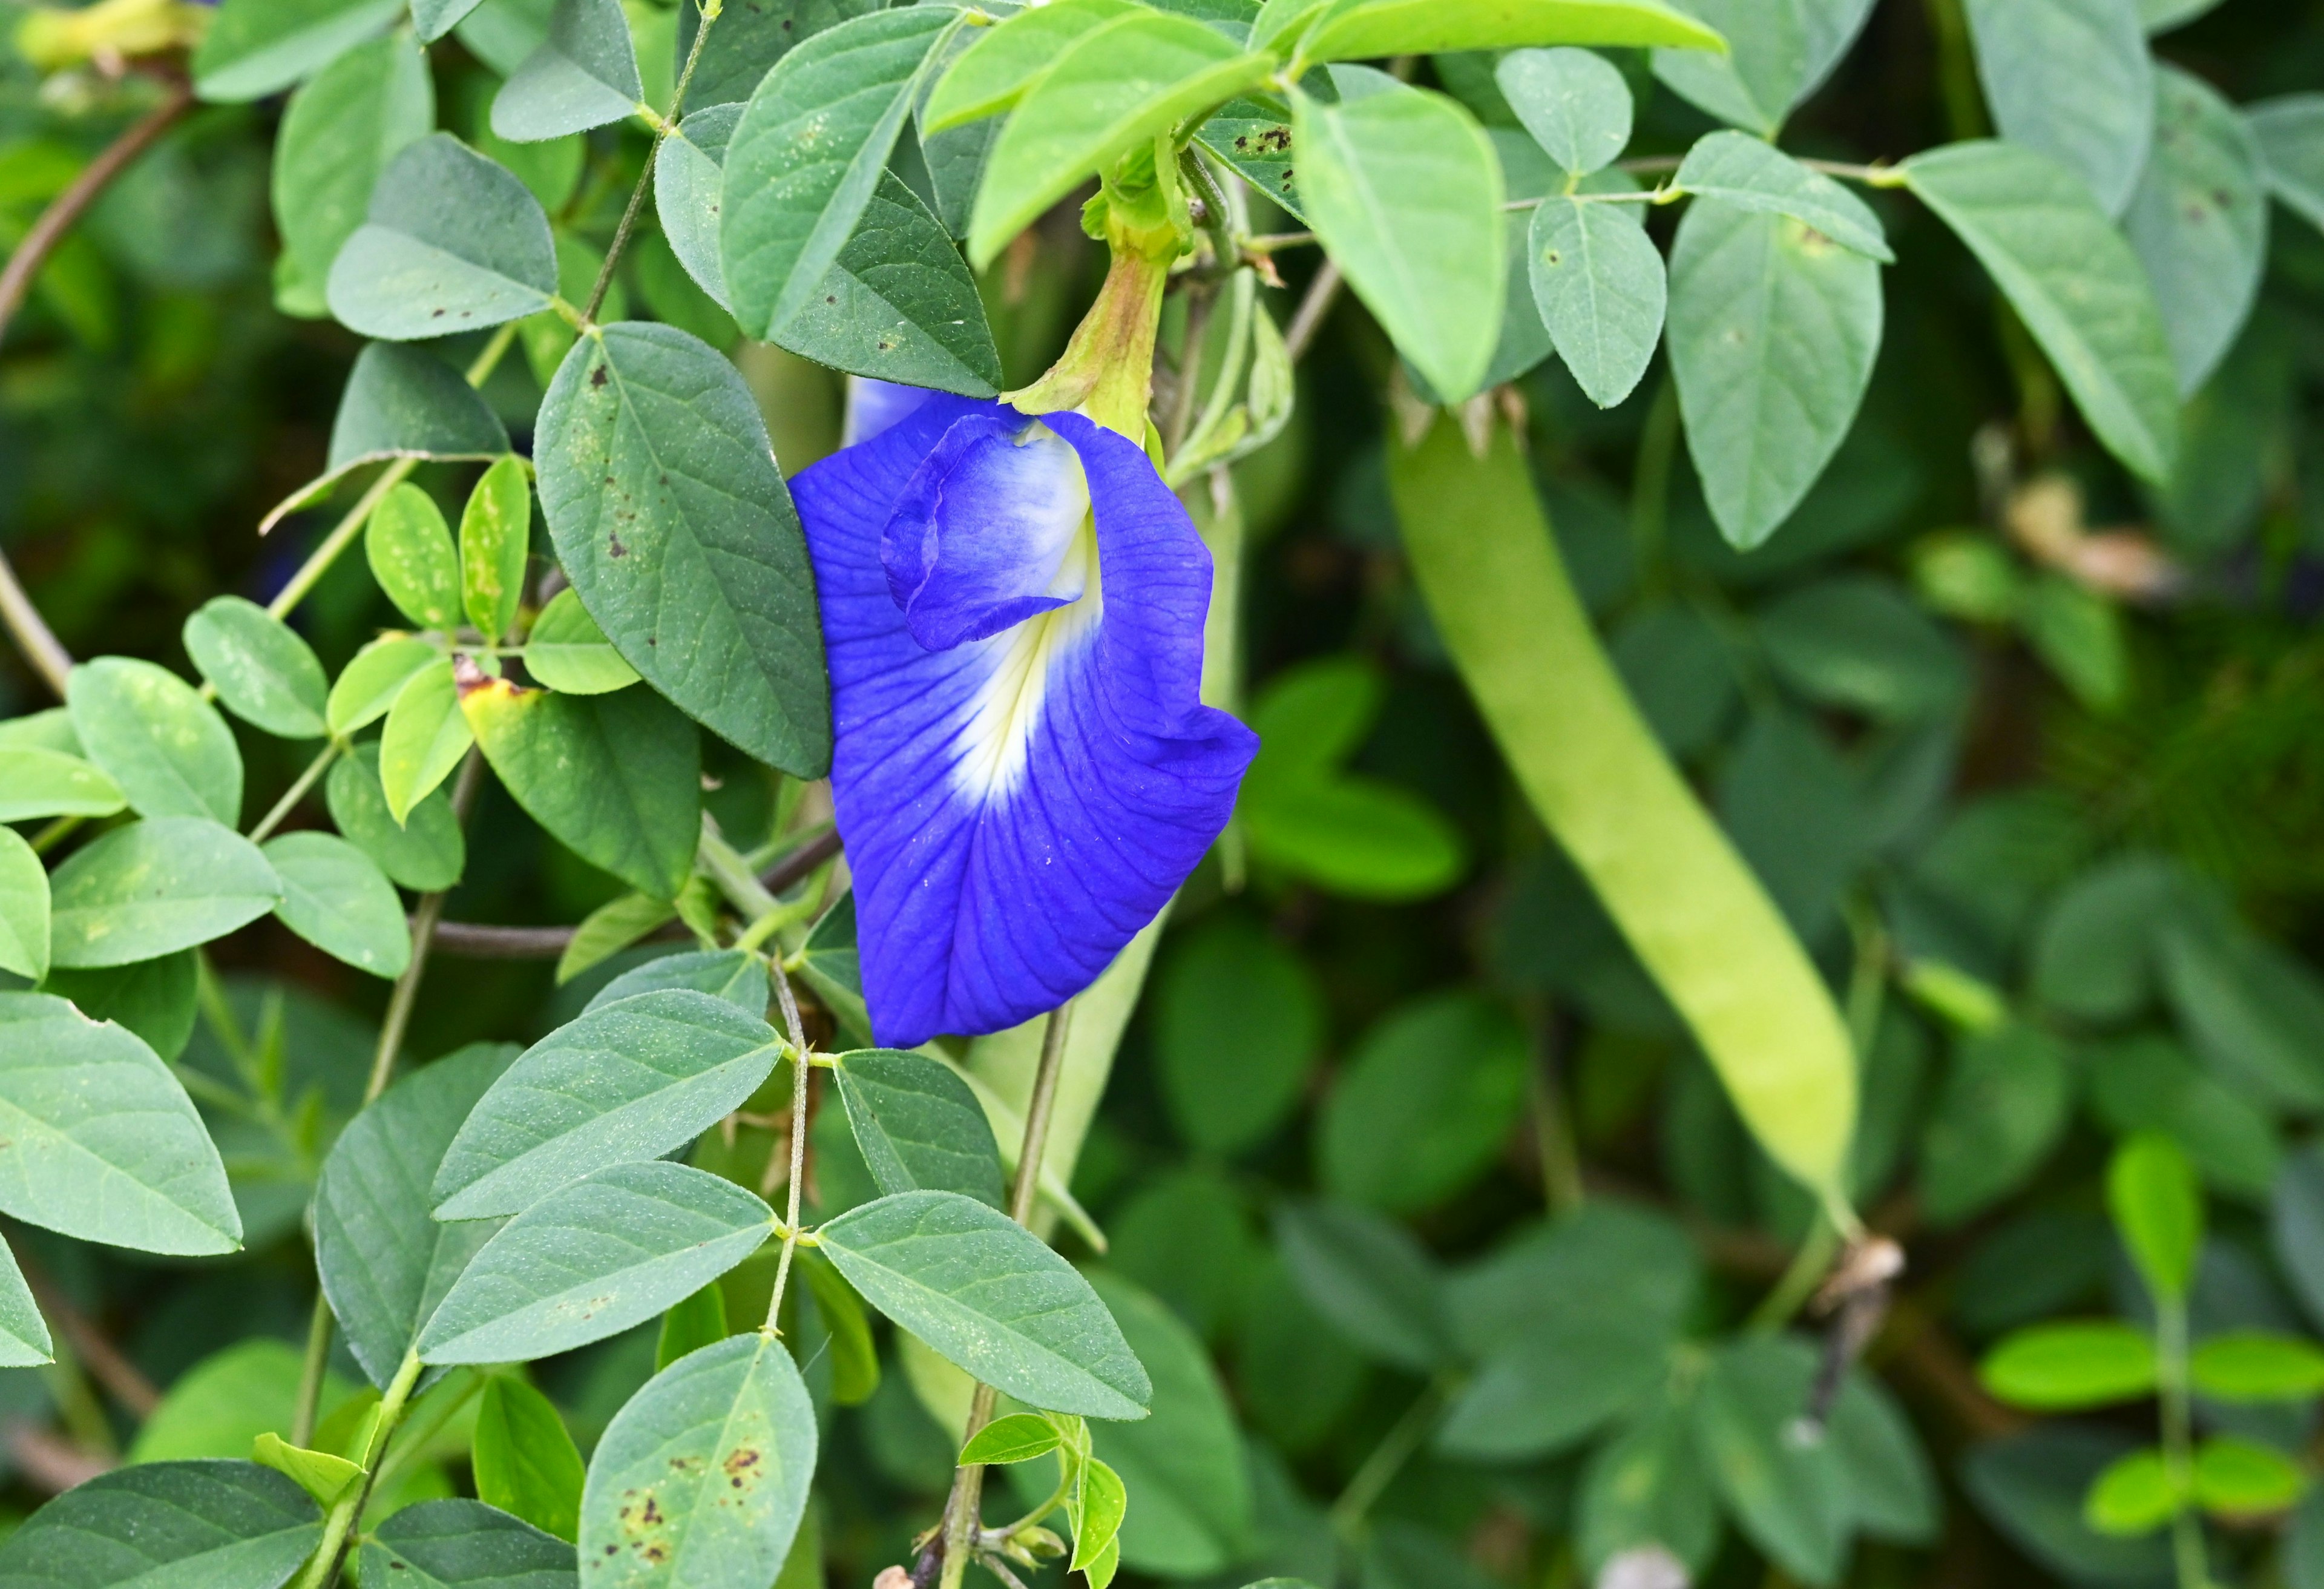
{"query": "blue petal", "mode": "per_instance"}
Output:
(1017, 806)
(985, 534)
(874, 405)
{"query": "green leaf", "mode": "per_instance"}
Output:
(1789, 1496)
(155, 887)
(571, 654)
(1573, 102)
(427, 851)
(259, 47)
(1765, 72)
(412, 555)
(1406, 192)
(693, 563)
(1861, 644)
(2290, 132)
(501, 33)
(847, 1331)
(1002, 61)
(263, 672)
(609, 928)
(918, 1124)
(701, 1480)
(338, 132)
(2073, 280)
(1734, 169)
(808, 153)
(617, 778)
(1255, 139)
(464, 1545)
(2066, 1366)
(2254, 1365)
(627, 1082)
(1424, 1104)
(2002, 1109)
(2078, 634)
(584, 75)
(2072, 79)
(337, 898)
(1599, 282)
(690, 1323)
(320, 1474)
(986, 1293)
(1891, 1493)
(1101, 1502)
(168, 749)
(1115, 88)
(2199, 222)
(748, 40)
(1239, 1023)
(426, 736)
(2158, 1211)
(36, 782)
(2134, 1496)
(2162, 14)
(592, 1258)
(24, 1340)
(687, 175)
(384, 1263)
(23, 907)
(191, 1525)
(370, 682)
(1371, 1279)
(524, 1458)
(2033, 1486)
(1019, 1437)
(495, 537)
(735, 975)
(154, 999)
(452, 241)
(1773, 331)
(1360, 30)
(1647, 1487)
(2252, 1011)
(104, 1144)
(2237, 1479)
(1185, 1465)
(402, 401)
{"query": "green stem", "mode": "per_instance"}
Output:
(2178, 1440)
(1809, 1265)
(802, 1082)
(667, 125)
(442, 1405)
(1956, 70)
(290, 799)
(1650, 485)
(1387, 1460)
(310, 1373)
(324, 1566)
(55, 834)
(343, 534)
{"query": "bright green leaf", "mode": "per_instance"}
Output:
(2067, 1366)
(412, 555)
(2238, 1479)
(2135, 1495)
(168, 749)
(23, 907)
(1019, 1437)
(495, 536)
(368, 685)
(337, 898)
(36, 782)
(524, 1459)
(263, 672)
(571, 654)
(2254, 1365)
(427, 851)
(153, 888)
(2158, 1209)
(1360, 30)
(426, 736)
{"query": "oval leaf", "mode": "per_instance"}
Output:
(918, 1124)
(168, 749)
(337, 898)
(263, 672)
(464, 1545)
(191, 1525)
(452, 241)
(153, 888)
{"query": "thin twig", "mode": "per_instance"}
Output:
(802, 1080)
(1313, 308)
(476, 941)
(295, 793)
(667, 126)
(34, 638)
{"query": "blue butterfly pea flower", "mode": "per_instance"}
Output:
(1023, 770)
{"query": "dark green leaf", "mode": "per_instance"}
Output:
(191, 1525)
(1773, 331)
(2071, 79)
(1647, 1488)
(1863, 644)
(464, 1545)
(524, 1459)
(735, 975)
(807, 154)
(258, 47)
(153, 888)
(617, 778)
(918, 1124)
(168, 749)
(627, 1082)
(1238, 1023)
(264, 673)
(985, 1292)
(384, 1263)
(1790, 1497)
(452, 241)
(428, 852)
(1373, 1282)
(338, 132)
(749, 40)
(1424, 1104)
(2001, 1111)
(104, 1143)
(584, 75)
(688, 1326)
(2073, 281)
(693, 563)
(154, 999)
(701, 1479)
(1761, 77)
(2032, 1484)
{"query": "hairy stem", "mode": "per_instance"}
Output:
(667, 126)
(961, 1511)
(802, 1082)
(324, 1566)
